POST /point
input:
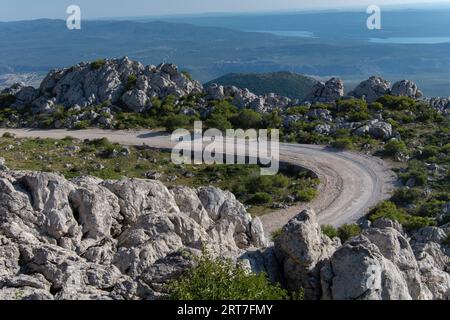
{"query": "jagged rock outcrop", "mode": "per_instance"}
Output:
(327, 92)
(371, 89)
(406, 88)
(114, 80)
(243, 98)
(442, 105)
(87, 238)
(301, 248)
(381, 263)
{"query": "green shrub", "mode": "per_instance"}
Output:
(6, 100)
(404, 196)
(431, 208)
(247, 119)
(177, 121)
(330, 231)
(376, 106)
(389, 210)
(348, 231)
(446, 242)
(396, 103)
(187, 75)
(276, 234)
(95, 65)
(342, 143)
(297, 110)
(349, 105)
(8, 135)
(272, 120)
(216, 279)
(260, 198)
(131, 82)
(80, 125)
(429, 152)
(218, 121)
(306, 195)
(270, 184)
(416, 171)
(394, 146)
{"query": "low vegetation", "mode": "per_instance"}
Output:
(344, 232)
(218, 279)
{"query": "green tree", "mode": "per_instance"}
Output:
(247, 119)
(177, 121)
(218, 121)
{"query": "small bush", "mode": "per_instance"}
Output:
(376, 106)
(276, 234)
(187, 75)
(297, 110)
(342, 143)
(260, 198)
(131, 82)
(394, 146)
(97, 64)
(446, 242)
(350, 105)
(247, 119)
(348, 231)
(6, 100)
(8, 135)
(270, 184)
(389, 210)
(80, 125)
(306, 195)
(429, 152)
(330, 231)
(218, 121)
(404, 196)
(216, 279)
(177, 121)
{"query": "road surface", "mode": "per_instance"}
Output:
(351, 183)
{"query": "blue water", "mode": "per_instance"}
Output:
(287, 33)
(411, 40)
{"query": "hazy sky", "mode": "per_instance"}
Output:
(33, 9)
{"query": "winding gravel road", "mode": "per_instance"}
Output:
(351, 182)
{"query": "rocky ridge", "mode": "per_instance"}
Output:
(383, 263)
(91, 239)
(130, 85)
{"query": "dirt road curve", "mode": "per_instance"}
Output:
(351, 182)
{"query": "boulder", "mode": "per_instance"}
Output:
(136, 100)
(406, 88)
(381, 130)
(301, 248)
(327, 92)
(359, 271)
(371, 89)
